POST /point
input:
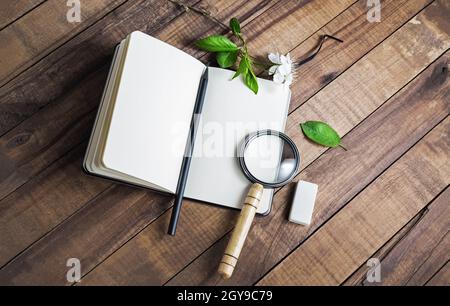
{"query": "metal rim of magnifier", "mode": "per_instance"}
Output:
(249, 138)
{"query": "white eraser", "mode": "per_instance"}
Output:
(303, 203)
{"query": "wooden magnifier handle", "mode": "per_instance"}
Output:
(240, 231)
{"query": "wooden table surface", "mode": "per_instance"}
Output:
(385, 90)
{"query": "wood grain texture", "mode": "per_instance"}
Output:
(92, 49)
(78, 99)
(31, 38)
(376, 77)
(79, 57)
(76, 52)
(442, 278)
(62, 70)
(415, 254)
(359, 37)
(39, 141)
(358, 277)
(358, 230)
(101, 235)
(355, 97)
(11, 10)
(288, 23)
(50, 144)
(28, 215)
(340, 175)
(33, 145)
(105, 217)
(418, 256)
(90, 97)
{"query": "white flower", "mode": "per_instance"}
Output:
(282, 70)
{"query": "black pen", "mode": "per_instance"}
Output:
(188, 154)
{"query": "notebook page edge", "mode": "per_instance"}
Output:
(134, 38)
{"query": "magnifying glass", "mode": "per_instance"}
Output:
(269, 159)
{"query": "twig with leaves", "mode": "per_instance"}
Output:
(228, 53)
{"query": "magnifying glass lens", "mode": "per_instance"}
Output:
(270, 159)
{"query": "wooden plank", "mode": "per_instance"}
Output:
(100, 237)
(12, 106)
(92, 49)
(23, 160)
(22, 153)
(13, 178)
(426, 248)
(359, 37)
(125, 198)
(78, 58)
(281, 15)
(442, 278)
(40, 140)
(73, 58)
(183, 36)
(360, 228)
(340, 175)
(376, 77)
(37, 142)
(358, 277)
(439, 256)
(417, 254)
(78, 55)
(350, 98)
(11, 10)
(43, 30)
(26, 216)
(288, 23)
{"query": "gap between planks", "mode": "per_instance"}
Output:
(28, 40)
(409, 242)
(403, 97)
(11, 17)
(373, 223)
(256, 12)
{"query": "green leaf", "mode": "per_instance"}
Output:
(242, 69)
(235, 26)
(250, 77)
(216, 43)
(245, 68)
(321, 133)
(226, 59)
(251, 81)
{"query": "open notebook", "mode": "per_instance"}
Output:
(143, 122)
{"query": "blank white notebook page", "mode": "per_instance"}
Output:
(231, 111)
(153, 110)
